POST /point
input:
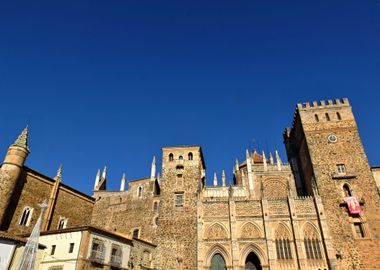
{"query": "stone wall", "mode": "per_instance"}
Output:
(126, 211)
(33, 188)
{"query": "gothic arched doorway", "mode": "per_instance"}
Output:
(218, 263)
(252, 262)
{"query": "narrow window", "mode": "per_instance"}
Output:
(62, 223)
(180, 157)
(327, 117)
(136, 233)
(316, 117)
(359, 229)
(53, 247)
(156, 221)
(26, 216)
(283, 249)
(155, 207)
(347, 190)
(341, 168)
(71, 248)
(190, 156)
(178, 199)
(338, 116)
(140, 192)
(170, 157)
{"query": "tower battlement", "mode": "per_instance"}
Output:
(338, 102)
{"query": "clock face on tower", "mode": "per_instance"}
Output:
(332, 138)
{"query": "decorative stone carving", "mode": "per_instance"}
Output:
(310, 232)
(275, 189)
(249, 208)
(216, 231)
(250, 230)
(282, 232)
(278, 207)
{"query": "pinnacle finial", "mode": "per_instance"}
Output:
(122, 183)
(247, 154)
(271, 160)
(104, 174)
(223, 178)
(22, 139)
(278, 160)
(215, 180)
(97, 180)
(236, 165)
(58, 177)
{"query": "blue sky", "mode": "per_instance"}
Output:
(111, 82)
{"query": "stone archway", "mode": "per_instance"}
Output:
(252, 262)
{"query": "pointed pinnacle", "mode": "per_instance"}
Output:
(22, 139)
(59, 173)
(246, 154)
(154, 160)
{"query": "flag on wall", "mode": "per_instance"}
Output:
(353, 205)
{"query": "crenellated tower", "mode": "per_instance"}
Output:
(10, 173)
(182, 179)
(328, 161)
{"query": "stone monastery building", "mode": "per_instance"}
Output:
(320, 211)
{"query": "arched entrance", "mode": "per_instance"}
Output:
(217, 262)
(252, 262)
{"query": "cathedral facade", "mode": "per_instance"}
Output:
(319, 211)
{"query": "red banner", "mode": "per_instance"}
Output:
(353, 205)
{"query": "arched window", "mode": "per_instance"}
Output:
(316, 117)
(26, 216)
(312, 243)
(171, 157)
(347, 190)
(190, 156)
(283, 248)
(313, 249)
(217, 262)
(327, 117)
(62, 223)
(338, 116)
(140, 192)
(180, 157)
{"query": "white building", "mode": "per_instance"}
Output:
(84, 247)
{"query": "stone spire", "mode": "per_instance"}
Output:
(264, 161)
(223, 178)
(97, 179)
(122, 183)
(22, 139)
(153, 168)
(215, 180)
(249, 160)
(236, 165)
(249, 169)
(271, 158)
(104, 173)
(103, 179)
(278, 160)
(58, 177)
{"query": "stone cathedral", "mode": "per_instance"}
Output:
(319, 211)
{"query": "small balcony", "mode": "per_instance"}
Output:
(115, 261)
(96, 257)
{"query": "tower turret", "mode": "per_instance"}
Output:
(10, 174)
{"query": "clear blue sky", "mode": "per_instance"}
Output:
(111, 82)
